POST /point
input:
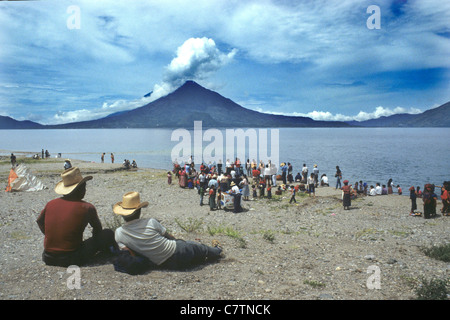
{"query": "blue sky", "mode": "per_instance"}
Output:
(310, 58)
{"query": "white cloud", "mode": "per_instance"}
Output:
(105, 110)
(197, 58)
(361, 116)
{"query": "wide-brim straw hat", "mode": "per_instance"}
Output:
(71, 178)
(232, 184)
(131, 201)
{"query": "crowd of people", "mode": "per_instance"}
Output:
(247, 181)
(430, 200)
(129, 165)
(260, 180)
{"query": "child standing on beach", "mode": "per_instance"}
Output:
(293, 191)
(169, 177)
(311, 185)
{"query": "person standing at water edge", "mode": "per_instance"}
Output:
(316, 175)
(304, 173)
(311, 185)
(338, 177)
(64, 220)
(413, 197)
(283, 172)
(445, 197)
(112, 158)
(103, 157)
(13, 160)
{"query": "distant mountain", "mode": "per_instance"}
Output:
(437, 117)
(192, 102)
(10, 123)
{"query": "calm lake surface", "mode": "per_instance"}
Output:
(410, 156)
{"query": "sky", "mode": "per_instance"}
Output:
(65, 61)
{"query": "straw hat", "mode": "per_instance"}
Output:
(131, 201)
(71, 178)
(232, 184)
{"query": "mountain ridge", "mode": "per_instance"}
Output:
(192, 102)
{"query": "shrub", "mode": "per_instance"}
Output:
(441, 252)
(434, 289)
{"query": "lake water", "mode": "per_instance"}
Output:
(410, 156)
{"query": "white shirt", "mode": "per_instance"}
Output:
(373, 192)
(235, 189)
(378, 189)
(145, 236)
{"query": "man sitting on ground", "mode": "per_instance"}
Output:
(147, 237)
(64, 220)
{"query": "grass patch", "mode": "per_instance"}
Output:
(368, 232)
(441, 252)
(229, 232)
(19, 235)
(28, 160)
(269, 236)
(191, 225)
(397, 233)
(314, 283)
(275, 198)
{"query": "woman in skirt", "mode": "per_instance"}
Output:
(346, 199)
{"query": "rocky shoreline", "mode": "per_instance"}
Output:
(312, 250)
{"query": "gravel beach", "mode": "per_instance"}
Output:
(312, 250)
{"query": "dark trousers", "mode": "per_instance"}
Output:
(237, 203)
(413, 204)
(88, 249)
(293, 199)
(189, 254)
